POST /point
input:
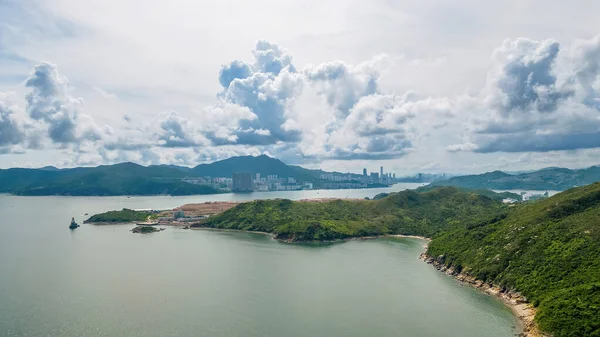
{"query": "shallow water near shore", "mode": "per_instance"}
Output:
(107, 281)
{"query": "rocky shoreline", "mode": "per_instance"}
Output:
(292, 241)
(518, 303)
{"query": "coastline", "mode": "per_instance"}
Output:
(272, 235)
(231, 230)
(523, 310)
(409, 236)
(517, 303)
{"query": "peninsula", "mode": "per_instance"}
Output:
(541, 257)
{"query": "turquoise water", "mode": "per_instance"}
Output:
(106, 281)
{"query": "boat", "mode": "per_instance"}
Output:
(73, 224)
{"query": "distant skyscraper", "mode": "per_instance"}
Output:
(258, 177)
(381, 173)
(242, 182)
(364, 172)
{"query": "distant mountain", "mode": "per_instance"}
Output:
(134, 179)
(423, 178)
(49, 168)
(119, 179)
(551, 178)
(177, 167)
(263, 164)
(318, 172)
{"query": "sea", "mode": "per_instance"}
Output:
(106, 281)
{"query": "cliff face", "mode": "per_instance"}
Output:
(513, 299)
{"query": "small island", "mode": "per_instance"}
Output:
(146, 229)
(123, 216)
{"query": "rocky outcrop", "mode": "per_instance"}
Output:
(146, 229)
(513, 299)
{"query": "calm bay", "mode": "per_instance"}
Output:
(106, 281)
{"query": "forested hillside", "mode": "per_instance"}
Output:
(548, 250)
(553, 178)
(407, 212)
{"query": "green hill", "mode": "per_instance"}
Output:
(119, 179)
(122, 216)
(551, 178)
(407, 212)
(262, 164)
(548, 250)
(499, 196)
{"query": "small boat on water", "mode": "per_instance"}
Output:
(73, 224)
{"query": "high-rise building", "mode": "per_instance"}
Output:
(364, 172)
(257, 177)
(242, 182)
(381, 174)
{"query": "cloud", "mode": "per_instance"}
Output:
(356, 121)
(586, 57)
(176, 131)
(11, 132)
(344, 84)
(541, 143)
(262, 104)
(537, 99)
(376, 115)
(265, 89)
(526, 80)
(271, 88)
(221, 122)
(376, 128)
(270, 58)
(104, 93)
(468, 146)
(49, 102)
(235, 69)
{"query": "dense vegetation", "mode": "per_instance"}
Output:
(124, 215)
(499, 196)
(407, 212)
(546, 179)
(548, 250)
(145, 229)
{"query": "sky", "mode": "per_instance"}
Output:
(455, 86)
